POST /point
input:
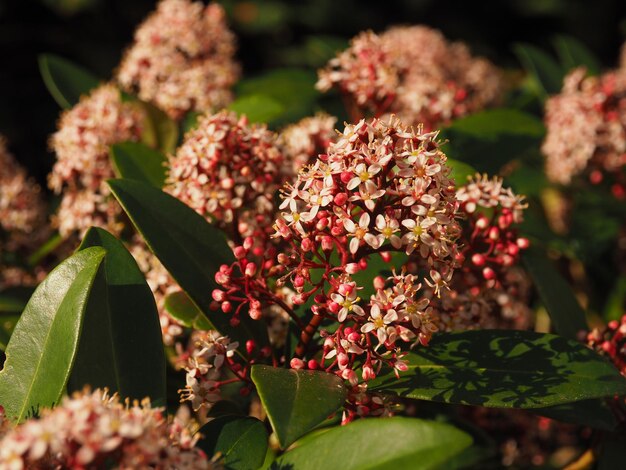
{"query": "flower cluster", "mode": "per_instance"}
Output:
(182, 58)
(381, 187)
(303, 141)
(207, 362)
(229, 172)
(91, 430)
(610, 342)
(22, 210)
(586, 130)
(412, 72)
(81, 145)
(489, 290)
(22, 219)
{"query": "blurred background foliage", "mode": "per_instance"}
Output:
(271, 34)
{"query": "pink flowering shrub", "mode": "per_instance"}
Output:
(318, 293)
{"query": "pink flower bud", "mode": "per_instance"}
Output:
(478, 259)
(379, 283)
(298, 281)
(352, 268)
(489, 274)
(226, 306)
(296, 363)
(250, 346)
(240, 252)
(340, 199)
(312, 364)
(368, 372)
(482, 223)
(218, 295)
(307, 244)
(523, 243)
(250, 269)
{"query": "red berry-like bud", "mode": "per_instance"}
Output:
(523, 243)
(489, 274)
(312, 364)
(218, 295)
(226, 306)
(240, 252)
(250, 346)
(340, 199)
(478, 259)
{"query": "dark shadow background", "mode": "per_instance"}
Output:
(272, 33)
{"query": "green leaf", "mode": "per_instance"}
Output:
(65, 81)
(574, 53)
(461, 172)
(242, 441)
(183, 310)
(546, 73)
(134, 160)
(564, 310)
(44, 250)
(614, 306)
(297, 400)
(160, 131)
(258, 108)
(188, 246)
(120, 344)
(490, 139)
(380, 444)
(190, 121)
(43, 346)
(593, 413)
(292, 88)
(503, 369)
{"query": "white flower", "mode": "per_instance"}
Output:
(380, 323)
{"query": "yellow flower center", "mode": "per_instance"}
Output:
(379, 323)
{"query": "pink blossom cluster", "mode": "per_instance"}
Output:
(489, 290)
(382, 187)
(210, 363)
(412, 72)
(610, 342)
(22, 210)
(303, 141)
(586, 130)
(23, 224)
(229, 172)
(95, 430)
(182, 58)
(81, 144)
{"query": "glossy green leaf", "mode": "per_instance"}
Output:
(292, 88)
(593, 413)
(188, 246)
(381, 444)
(565, 312)
(160, 131)
(490, 139)
(44, 343)
(503, 369)
(120, 345)
(137, 161)
(65, 81)
(461, 172)
(183, 310)
(258, 108)
(614, 306)
(544, 70)
(297, 400)
(574, 53)
(242, 441)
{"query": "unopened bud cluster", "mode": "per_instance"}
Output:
(81, 144)
(586, 130)
(182, 58)
(488, 290)
(412, 72)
